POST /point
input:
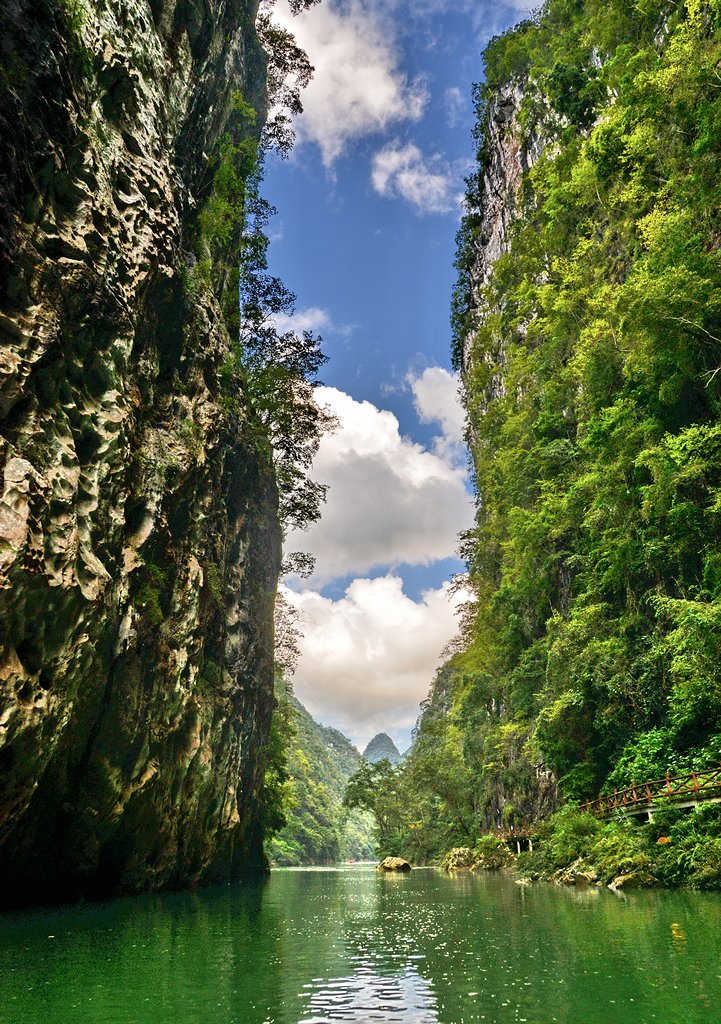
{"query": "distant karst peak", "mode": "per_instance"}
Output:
(382, 747)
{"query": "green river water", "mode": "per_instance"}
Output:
(349, 944)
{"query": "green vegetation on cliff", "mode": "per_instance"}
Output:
(319, 760)
(676, 848)
(593, 399)
(587, 322)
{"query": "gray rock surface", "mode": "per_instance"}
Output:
(139, 540)
(394, 864)
(509, 157)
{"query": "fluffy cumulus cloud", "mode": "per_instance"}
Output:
(436, 400)
(368, 658)
(358, 87)
(428, 183)
(390, 501)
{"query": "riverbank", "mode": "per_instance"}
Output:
(676, 850)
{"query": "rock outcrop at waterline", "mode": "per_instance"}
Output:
(139, 539)
(394, 864)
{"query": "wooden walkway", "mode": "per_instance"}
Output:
(679, 791)
(518, 836)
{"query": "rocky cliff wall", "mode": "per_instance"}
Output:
(508, 154)
(139, 540)
(513, 780)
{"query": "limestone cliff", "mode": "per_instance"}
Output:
(514, 783)
(508, 155)
(139, 539)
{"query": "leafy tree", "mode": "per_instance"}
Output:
(276, 783)
(279, 373)
(377, 788)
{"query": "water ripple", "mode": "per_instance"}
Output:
(366, 996)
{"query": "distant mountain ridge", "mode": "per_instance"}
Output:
(380, 748)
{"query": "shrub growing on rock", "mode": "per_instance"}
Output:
(458, 859)
(492, 853)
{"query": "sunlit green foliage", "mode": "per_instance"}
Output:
(378, 790)
(676, 848)
(596, 549)
(316, 762)
(592, 374)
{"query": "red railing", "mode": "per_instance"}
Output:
(695, 785)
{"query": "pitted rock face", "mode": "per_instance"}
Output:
(139, 540)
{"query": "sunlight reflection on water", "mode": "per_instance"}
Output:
(365, 996)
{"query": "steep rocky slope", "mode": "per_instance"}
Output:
(586, 327)
(139, 541)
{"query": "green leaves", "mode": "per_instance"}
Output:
(274, 371)
(593, 390)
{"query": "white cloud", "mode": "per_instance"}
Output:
(358, 87)
(311, 319)
(427, 182)
(368, 659)
(390, 501)
(455, 104)
(436, 400)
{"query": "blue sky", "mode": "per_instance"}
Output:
(369, 204)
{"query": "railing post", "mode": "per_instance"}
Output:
(668, 784)
(615, 798)
(695, 783)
